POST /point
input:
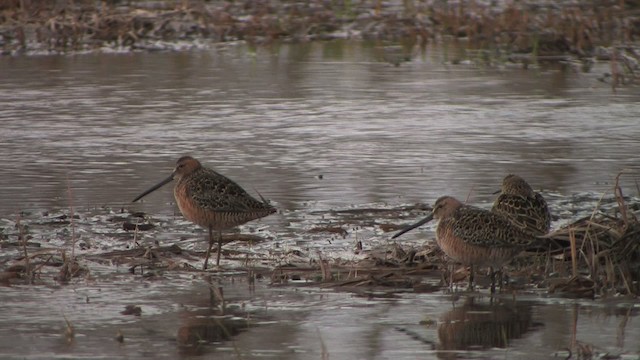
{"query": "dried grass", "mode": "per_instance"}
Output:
(546, 32)
(606, 245)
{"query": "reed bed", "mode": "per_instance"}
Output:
(518, 31)
(604, 248)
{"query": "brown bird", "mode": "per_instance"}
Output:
(525, 208)
(211, 200)
(474, 236)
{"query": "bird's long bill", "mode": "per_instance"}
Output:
(154, 188)
(413, 226)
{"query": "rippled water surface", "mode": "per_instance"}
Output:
(275, 118)
(304, 323)
(312, 127)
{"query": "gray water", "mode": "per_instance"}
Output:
(275, 118)
(107, 126)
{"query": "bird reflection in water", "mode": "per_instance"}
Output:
(479, 324)
(206, 326)
(212, 322)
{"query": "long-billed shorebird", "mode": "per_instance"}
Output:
(474, 236)
(211, 200)
(525, 208)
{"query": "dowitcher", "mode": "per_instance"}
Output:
(525, 208)
(474, 236)
(211, 200)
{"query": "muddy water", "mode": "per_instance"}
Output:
(313, 127)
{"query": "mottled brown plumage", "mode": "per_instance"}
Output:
(211, 200)
(525, 208)
(473, 236)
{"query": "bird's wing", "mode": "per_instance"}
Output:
(529, 214)
(484, 228)
(216, 192)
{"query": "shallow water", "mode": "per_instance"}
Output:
(107, 126)
(295, 323)
(275, 118)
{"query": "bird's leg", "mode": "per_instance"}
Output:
(492, 275)
(219, 247)
(206, 258)
(451, 267)
(504, 279)
(447, 276)
(471, 276)
(548, 266)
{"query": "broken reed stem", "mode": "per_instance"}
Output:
(574, 260)
(590, 257)
(135, 235)
(324, 268)
(73, 227)
(622, 207)
(586, 230)
(23, 238)
(609, 270)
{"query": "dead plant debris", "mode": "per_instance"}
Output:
(592, 256)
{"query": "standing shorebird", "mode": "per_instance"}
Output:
(525, 208)
(473, 236)
(211, 200)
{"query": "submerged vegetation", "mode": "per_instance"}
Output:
(522, 32)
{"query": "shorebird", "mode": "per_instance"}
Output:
(211, 200)
(474, 236)
(525, 208)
